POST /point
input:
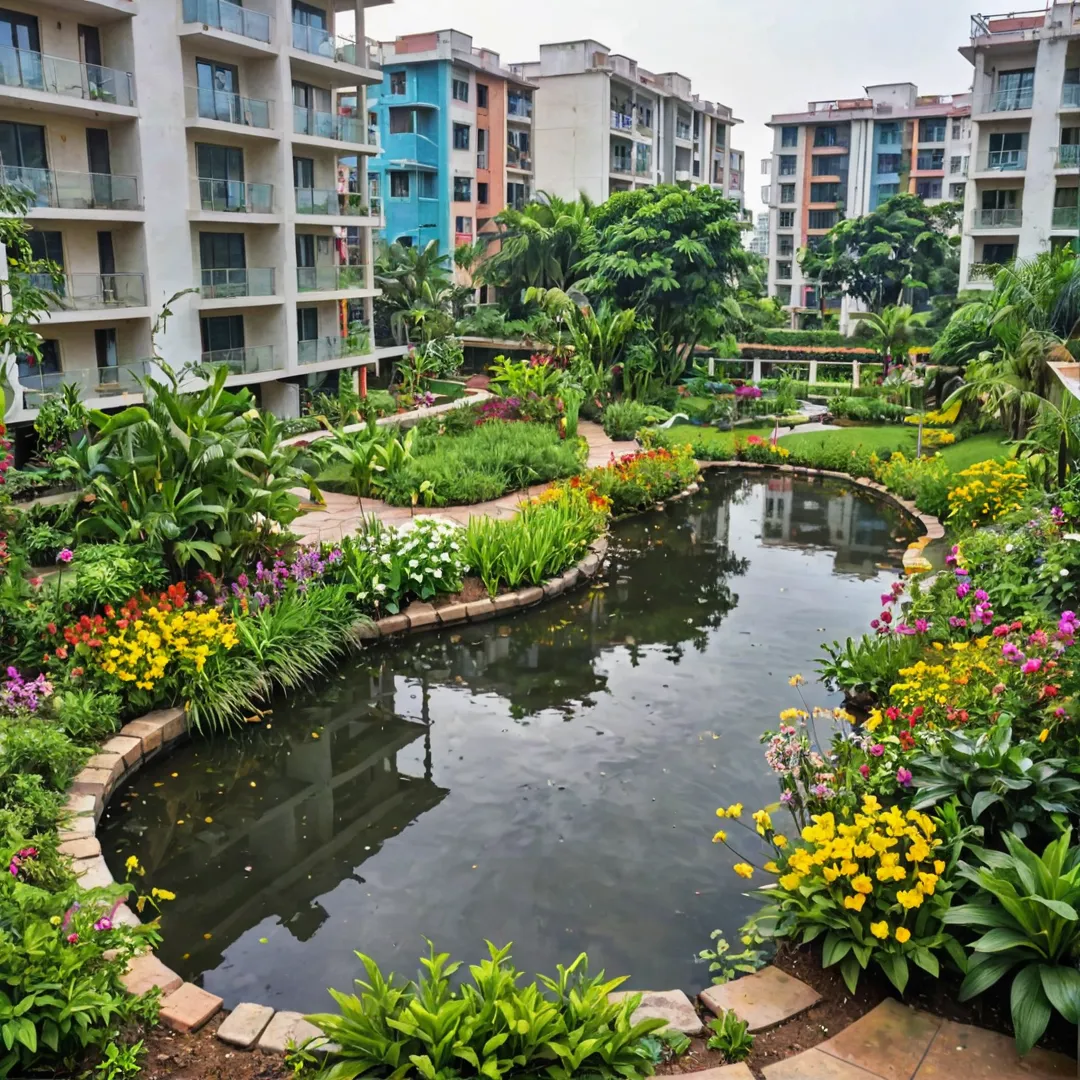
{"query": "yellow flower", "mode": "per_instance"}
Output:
(735, 810)
(790, 882)
(849, 868)
(762, 821)
(1044, 734)
(830, 873)
(909, 899)
(870, 804)
(744, 870)
(780, 840)
(132, 863)
(721, 812)
(162, 894)
(862, 884)
(771, 868)
(903, 934)
(855, 902)
(939, 867)
(796, 680)
(56, 920)
(880, 929)
(719, 836)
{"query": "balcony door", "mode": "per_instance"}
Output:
(1015, 89)
(223, 258)
(310, 33)
(221, 176)
(218, 91)
(99, 162)
(224, 336)
(20, 50)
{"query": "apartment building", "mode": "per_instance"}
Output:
(758, 241)
(843, 158)
(1021, 194)
(457, 139)
(190, 147)
(604, 124)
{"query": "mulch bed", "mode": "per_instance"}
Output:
(201, 1056)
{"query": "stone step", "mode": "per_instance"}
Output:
(764, 1000)
(724, 1072)
(243, 1026)
(670, 1005)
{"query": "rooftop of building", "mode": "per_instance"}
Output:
(883, 101)
(1022, 27)
(452, 46)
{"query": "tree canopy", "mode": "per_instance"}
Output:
(904, 244)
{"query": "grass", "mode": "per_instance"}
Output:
(990, 444)
(720, 438)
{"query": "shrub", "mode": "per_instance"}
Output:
(935, 437)
(638, 481)
(867, 409)
(87, 715)
(925, 480)
(814, 338)
(622, 419)
(489, 1026)
(731, 1036)
(988, 490)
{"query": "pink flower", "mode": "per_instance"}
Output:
(962, 590)
(903, 777)
(877, 749)
(104, 923)
(886, 598)
(1000, 631)
(864, 771)
(37, 582)
(65, 556)
(921, 626)
(72, 939)
(1031, 666)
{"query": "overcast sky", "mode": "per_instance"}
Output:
(758, 56)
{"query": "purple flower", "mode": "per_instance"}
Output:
(982, 596)
(921, 626)
(200, 598)
(104, 923)
(956, 622)
(877, 749)
(962, 590)
(1011, 653)
(787, 798)
(1031, 666)
(65, 556)
(961, 572)
(903, 777)
(1057, 514)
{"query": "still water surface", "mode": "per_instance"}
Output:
(549, 779)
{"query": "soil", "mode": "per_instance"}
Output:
(201, 1056)
(472, 589)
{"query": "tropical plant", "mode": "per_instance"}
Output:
(1027, 903)
(731, 1036)
(489, 1026)
(724, 965)
(891, 331)
(623, 419)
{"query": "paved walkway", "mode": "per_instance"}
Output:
(344, 514)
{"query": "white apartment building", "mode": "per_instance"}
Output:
(604, 124)
(190, 146)
(843, 158)
(758, 241)
(1021, 195)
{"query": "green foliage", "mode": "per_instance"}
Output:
(622, 419)
(35, 746)
(522, 378)
(87, 715)
(867, 409)
(813, 338)
(489, 1026)
(925, 481)
(731, 1036)
(724, 967)
(639, 481)
(112, 573)
(1028, 905)
(43, 541)
(892, 331)
(120, 1062)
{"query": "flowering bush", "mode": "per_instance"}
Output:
(636, 481)
(935, 437)
(988, 491)
(937, 418)
(924, 480)
(763, 451)
(874, 882)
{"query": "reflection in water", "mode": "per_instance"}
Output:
(548, 779)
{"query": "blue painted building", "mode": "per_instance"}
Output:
(888, 162)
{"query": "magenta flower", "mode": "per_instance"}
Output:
(877, 749)
(65, 556)
(1011, 653)
(921, 626)
(962, 590)
(104, 923)
(864, 771)
(1031, 666)
(903, 777)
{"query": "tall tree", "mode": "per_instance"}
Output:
(904, 244)
(676, 256)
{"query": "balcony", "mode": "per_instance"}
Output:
(462, 238)
(621, 165)
(74, 190)
(1066, 217)
(642, 168)
(518, 159)
(233, 282)
(324, 125)
(231, 18)
(320, 350)
(327, 203)
(682, 131)
(112, 381)
(219, 106)
(407, 148)
(1004, 218)
(621, 122)
(933, 162)
(1067, 157)
(330, 278)
(518, 108)
(246, 361)
(93, 292)
(1006, 160)
(1008, 100)
(24, 70)
(1070, 96)
(235, 197)
(325, 45)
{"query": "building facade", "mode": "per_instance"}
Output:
(193, 150)
(457, 141)
(604, 124)
(1021, 194)
(844, 158)
(758, 241)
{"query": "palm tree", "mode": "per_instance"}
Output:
(892, 331)
(402, 271)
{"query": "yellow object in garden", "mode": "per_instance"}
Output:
(935, 437)
(937, 417)
(987, 491)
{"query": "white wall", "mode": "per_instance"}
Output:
(571, 130)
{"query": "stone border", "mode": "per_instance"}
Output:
(914, 560)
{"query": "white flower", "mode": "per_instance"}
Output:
(379, 587)
(1063, 572)
(386, 560)
(414, 563)
(437, 573)
(1008, 547)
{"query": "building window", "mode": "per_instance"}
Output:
(789, 136)
(783, 294)
(829, 193)
(888, 134)
(932, 130)
(482, 193)
(785, 245)
(461, 90)
(783, 271)
(462, 189)
(928, 189)
(787, 193)
(461, 136)
(956, 192)
(426, 185)
(998, 253)
(888, 163)
(786, 219)
(397, 82)
(402, 121)
(481, 95)
(222, 333)
(788, 164)
(463, 226)
(399, 185)
(822, 219)
(830, 165)
(829, 136)
(930, 159)
(956, 129)
(956, 164)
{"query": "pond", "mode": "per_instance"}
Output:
(549, 779)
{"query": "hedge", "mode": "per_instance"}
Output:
(806, 355)
(823, 338)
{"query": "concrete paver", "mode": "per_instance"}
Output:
(890, 1040)
(670, 1005)
(764, 999)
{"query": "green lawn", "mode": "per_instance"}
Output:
(719, 438)
(982, 447)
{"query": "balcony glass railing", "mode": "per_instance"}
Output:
(75, 191)
(316, 41)
(245, 361)
(1006, 159)
(122, 378)
(929, 162)
(518, 159)
(226, 283)
(1068, 157)
(620, 121)
(519, 107)
(334, 203)
(1004, 217)
(68, 78)
(682, 131)
(92, 292)
(330, 278)
(235, 197)
(108, 381)
(1066, 217)
(324, 125)
(205, 103)
(621, 165)
(642, 168)
(321, 349)
(1007, 100)
(222, 15)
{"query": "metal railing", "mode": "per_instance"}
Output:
(1068, 157)
(329, 348)
(1006, 100)
(620, 121)
(222, 15)
(207, 104)
(1006, 159)
(324, 125)
(518, 159)
(92, 292)
(74, 190)
(997, 217)
(226, 283)
(334, 203)
(330, 278)
(69, 78)
(235, 196)
(1066, 217)
(245, 361)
